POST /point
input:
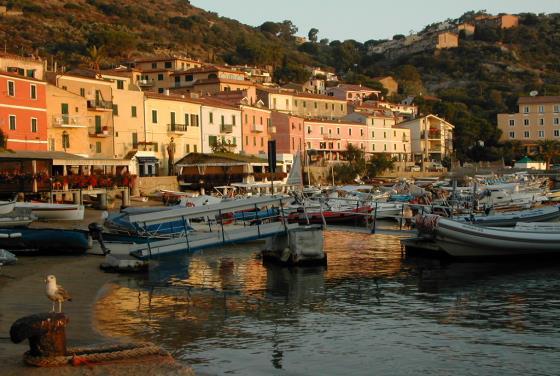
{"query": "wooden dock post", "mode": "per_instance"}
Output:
(103, 201)
(126, 197)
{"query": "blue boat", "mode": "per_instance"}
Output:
(44, 241)
(120, 223)
(400, 198)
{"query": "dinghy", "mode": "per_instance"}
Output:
(59, 212)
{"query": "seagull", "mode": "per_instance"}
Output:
(56, 293)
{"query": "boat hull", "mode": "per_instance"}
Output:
(58, 212)
(44, 241)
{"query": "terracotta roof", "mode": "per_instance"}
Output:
(171, 97)
(206, 69)
(541, 99)
(162, 58)
(352, 87)
(200, 158)
(222, 80)
(318, 96)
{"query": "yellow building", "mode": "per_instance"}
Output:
(431, 138)
(67, 122)
(128, 113)
(537, 119)
(170, 117)
(99, 115)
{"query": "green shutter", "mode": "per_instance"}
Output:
(115, 110)
(133, 111)
(154, 116)
(97, 124)
(135, 140)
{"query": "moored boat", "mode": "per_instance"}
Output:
(6, 207)
(331, 216)
(44, 241)
(509, 219)
(60, 212)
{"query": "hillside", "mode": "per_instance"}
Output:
(482, 77)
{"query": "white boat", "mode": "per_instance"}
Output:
(509, 219)
(466, 240)
(6, 207)
(60, 212)
(7, 258)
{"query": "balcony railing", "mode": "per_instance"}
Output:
(257, 128)
(103, 131)
(68, 121)
(226, 128)
(431, 135)
(100, 104)
(177, 128)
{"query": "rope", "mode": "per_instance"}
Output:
(101, 354)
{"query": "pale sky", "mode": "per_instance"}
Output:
(364, 19)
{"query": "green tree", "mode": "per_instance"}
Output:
(548, 150)
(222, 147)
(312, 35)
(379, 163)
(95, 57)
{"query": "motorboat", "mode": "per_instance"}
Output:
(19, 217)
(509, 219)
(330, 216)
(44, 241)
(59, 212)
(467, 240)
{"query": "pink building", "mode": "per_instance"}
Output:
(289, 134)
(256, 128)
(331, 138)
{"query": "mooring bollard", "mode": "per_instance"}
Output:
(103, 201)
(46, 333)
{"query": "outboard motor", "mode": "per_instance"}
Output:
(96, 232)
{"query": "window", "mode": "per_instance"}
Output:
(154, 116)
(541, 109)
(82, 92)
(254, 140)
(341, 107)
(120, 84)
(33, 93)
(34, 125)
(308, 130)
(11, 88)
(98, 128)
(246, 140)
(315, 105)
(541, 121)
(304, 104)
(133, 111)
(195, 149)
(154, 65)
(233, 121)
(167, 64)
(135, 140)
(332, 106)
(361, 132)
(160, 77)
(556, 108)
(187, 148)
(556, 133)
(186, 120)
(189, 77)
(321, 130)
(525, 121)
(295, 102)
(394, 146)
(526, 109)
(556, 121)
(160, 90)
(212, 140)
(384, 134)
(98, 147)
(115, 110)
(211, 117)
(350, 131)
(337, 130)
(65, 140)
(156, 147)
(526, 134)
(287, 104)
(511, 122)
(12, 122)
(222, 118)
(541, 134)
(384, 147)
(373, 147)
(274, 103)
(194, 120)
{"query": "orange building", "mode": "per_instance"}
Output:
(289, 133)
(23, 112)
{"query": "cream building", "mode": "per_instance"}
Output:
(32, 67)
(167, 117)
(383, 136)
(431, 138)
(276, 99)
(220, 122)
(318, 106)
(67, 122)
(537, 119)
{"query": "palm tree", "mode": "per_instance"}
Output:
(548, 150)
(95, 57)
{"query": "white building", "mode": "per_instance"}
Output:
(220, 123)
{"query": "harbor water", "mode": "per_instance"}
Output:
(370, 311)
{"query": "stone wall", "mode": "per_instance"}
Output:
(147, 185)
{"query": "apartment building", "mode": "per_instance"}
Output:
(67, 122)
(210, 79)
(382, 134)
(257, 128)
(289, 135)
(431, 138)
(352, 93)
(276, 99)
(99, 116)
(331, 138)
(538, 118)
(23, 112)
(221, 123)
(170, 118)
(318, 106)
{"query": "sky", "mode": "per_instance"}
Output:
(364, 19)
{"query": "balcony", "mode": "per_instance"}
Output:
(102, 132)
(145, 83)
(432, 135)
(226, 128)
(67, 121)
(331, 137)
(258, 128)
(271, 129)
(100, 105)
(177, 128)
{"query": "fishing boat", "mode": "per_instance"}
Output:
(6, 207)
(468, 240)
(330, 216)
(44, 241)
(59, 212)
(509, 219)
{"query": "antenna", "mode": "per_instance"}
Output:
(534, 93)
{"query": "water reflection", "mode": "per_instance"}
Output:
(223, 311)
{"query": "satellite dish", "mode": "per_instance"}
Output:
(534, 93)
